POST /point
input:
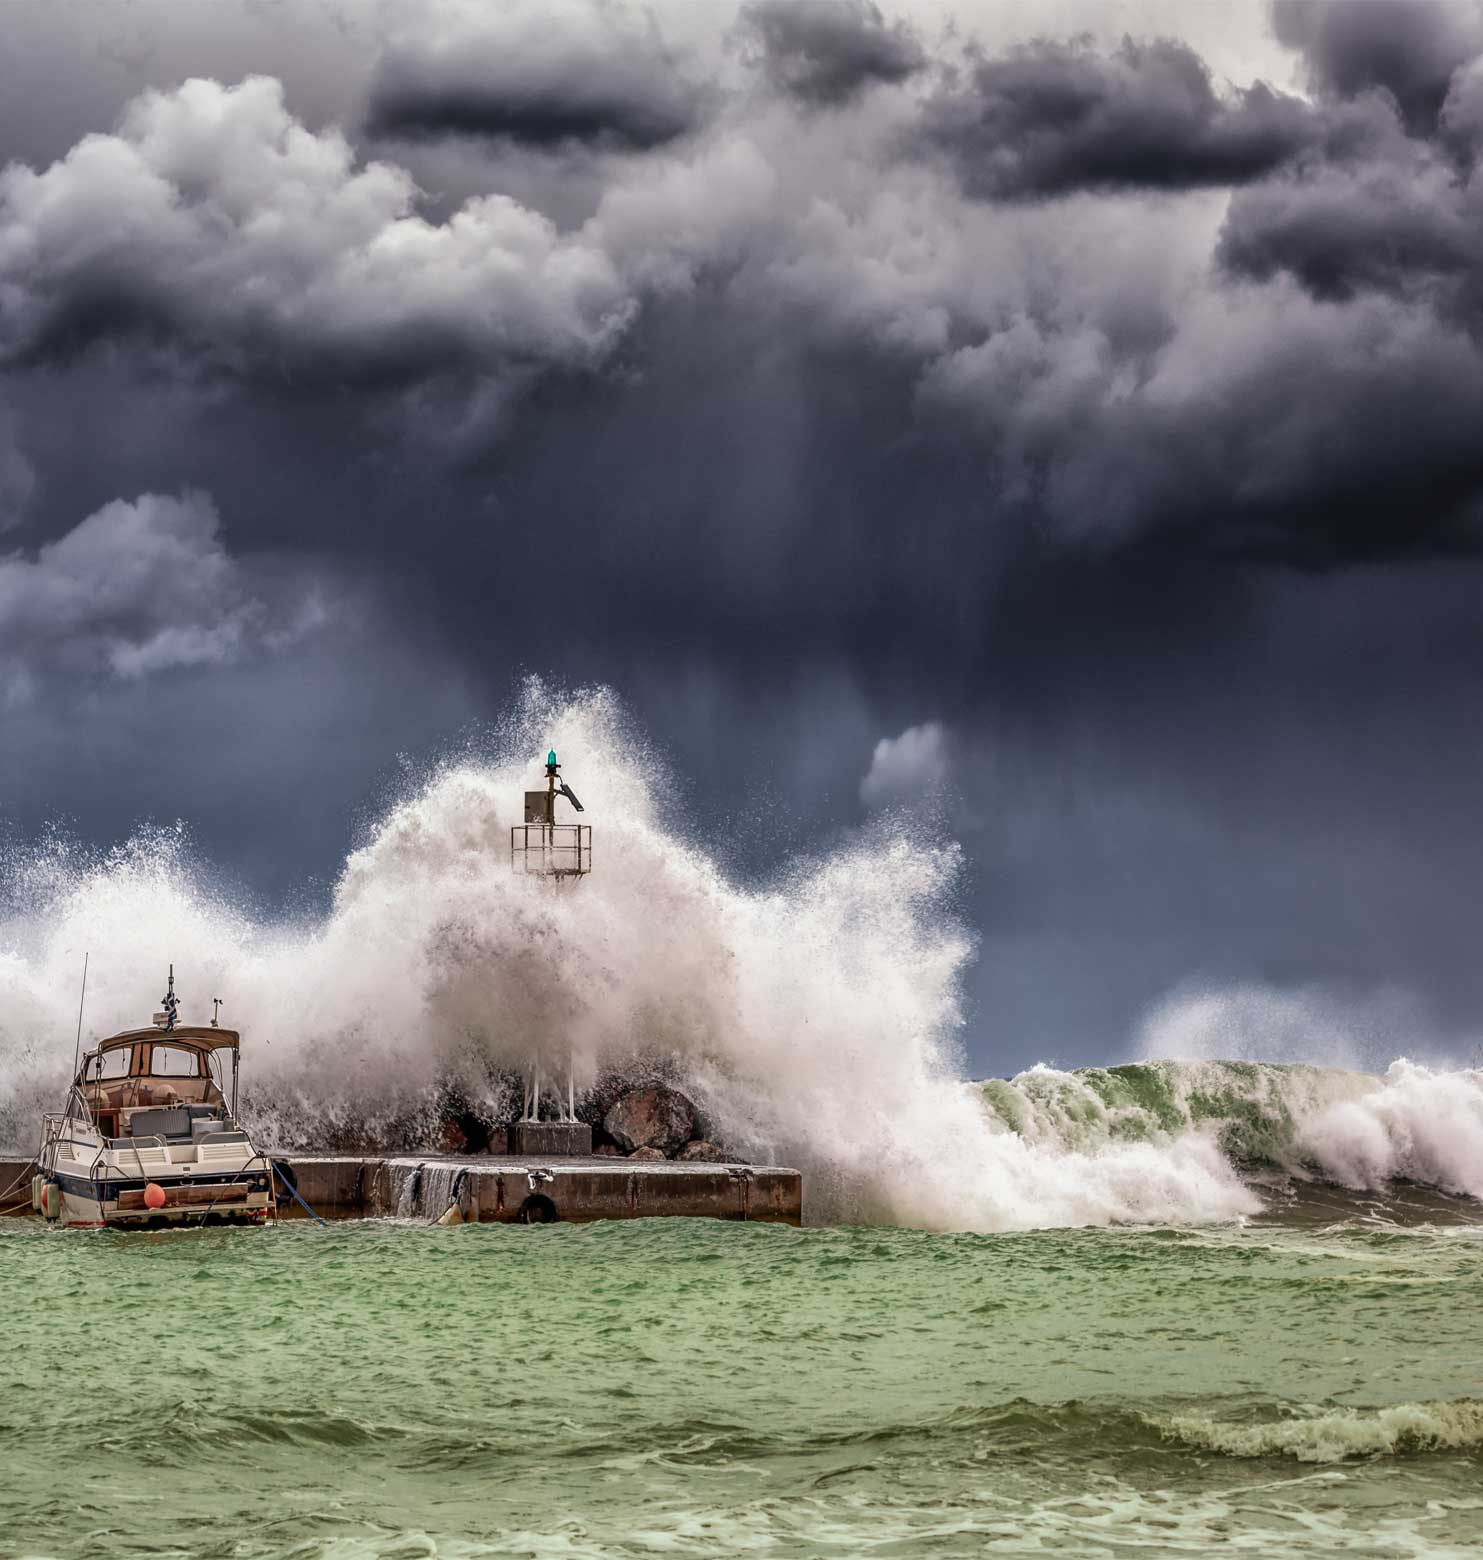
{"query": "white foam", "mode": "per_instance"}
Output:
(1423, 1124)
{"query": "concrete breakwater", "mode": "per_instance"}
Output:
(497, 1189)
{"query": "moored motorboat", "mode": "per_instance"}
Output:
(148, 1137)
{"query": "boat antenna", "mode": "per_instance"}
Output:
(215, 1012)
(77, 1050)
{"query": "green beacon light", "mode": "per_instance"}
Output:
(551, 756)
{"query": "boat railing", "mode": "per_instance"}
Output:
(52, 1124)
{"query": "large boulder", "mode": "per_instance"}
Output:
(655, 1116)
(648, 1153)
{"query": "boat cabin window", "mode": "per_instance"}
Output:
(173, 1061)
(112, 1064)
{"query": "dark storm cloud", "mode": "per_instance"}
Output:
(1051, 118)
(1398, 212)
(1082, 370)
(1408, 48)
(1340, 231)
(546, 81)
(1104, 463)
(826, 52)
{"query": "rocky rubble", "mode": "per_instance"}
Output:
(632, 1119)
(704, 1150)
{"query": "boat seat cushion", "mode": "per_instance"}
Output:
(171, 1121)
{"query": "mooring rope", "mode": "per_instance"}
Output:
(294, 1192)
(29, 1166)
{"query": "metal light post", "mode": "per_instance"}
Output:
(541, 847)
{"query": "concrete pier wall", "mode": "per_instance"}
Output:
(513, 1190)
(16, 1197)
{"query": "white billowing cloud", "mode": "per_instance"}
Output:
(907, 768)
(138, 588)
(214, 217)
(668, 219)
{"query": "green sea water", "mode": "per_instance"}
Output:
(1310, 1383)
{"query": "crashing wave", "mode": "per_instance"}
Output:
(1415, 1123)
(815, 1019)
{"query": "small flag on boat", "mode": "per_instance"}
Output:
(170, 1002)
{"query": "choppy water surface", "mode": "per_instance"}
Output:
(1310, 1383)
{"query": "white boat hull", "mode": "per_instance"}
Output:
(88, 1186)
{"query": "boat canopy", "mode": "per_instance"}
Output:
(195, 1037)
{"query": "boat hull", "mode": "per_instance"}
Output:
(75, 1202)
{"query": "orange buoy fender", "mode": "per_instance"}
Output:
(154, 1195)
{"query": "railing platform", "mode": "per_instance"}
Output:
(556, 850)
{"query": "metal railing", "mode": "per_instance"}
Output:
(551, 849)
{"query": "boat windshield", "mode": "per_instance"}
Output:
(175, 1061)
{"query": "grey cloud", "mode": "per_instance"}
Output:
(1051, 118)
(213, 219)
(1280, 431)
(1339, 231)
(1400, 217)
(567, 75)
(828, 51)
(1408, 48)
(139, 588)
(1078, 370)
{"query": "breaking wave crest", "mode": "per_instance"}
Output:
(1415, 1123)
(815, 1018)
(1336, 1434)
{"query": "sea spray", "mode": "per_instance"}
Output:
(1423, 1124)
(815, 1018)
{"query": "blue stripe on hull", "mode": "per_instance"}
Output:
(81, 1186)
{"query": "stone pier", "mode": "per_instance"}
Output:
(500, 1189)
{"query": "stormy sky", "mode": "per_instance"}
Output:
(1061, 423)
